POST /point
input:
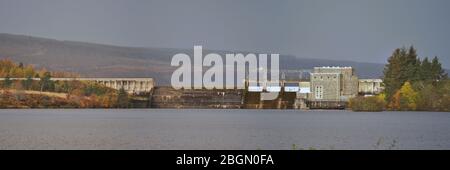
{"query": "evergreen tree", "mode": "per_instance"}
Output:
(425, 70)
(403, 65)
(122, 98)
(394, 72)
(437, 73)
(412, 65)
(45, 81)
(27, 83)
(7, 82)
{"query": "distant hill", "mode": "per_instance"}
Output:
(98, 60)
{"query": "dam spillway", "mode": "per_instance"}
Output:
(168, 97)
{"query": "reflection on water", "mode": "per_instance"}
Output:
(221, 129)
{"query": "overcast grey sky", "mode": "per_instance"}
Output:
(360, 30)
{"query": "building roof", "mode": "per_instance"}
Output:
(332, 67)
(371, 80)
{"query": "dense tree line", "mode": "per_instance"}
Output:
(371, 103)
(412, 83)
(83, 94)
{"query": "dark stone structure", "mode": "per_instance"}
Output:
(167, 97)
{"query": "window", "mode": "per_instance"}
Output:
(319, 92)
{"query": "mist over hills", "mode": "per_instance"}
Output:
(99, 60)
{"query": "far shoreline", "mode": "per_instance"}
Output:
(250, 109)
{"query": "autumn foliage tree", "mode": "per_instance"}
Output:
(405, 98)
(83, 94)
(413, 84)
(403, 65)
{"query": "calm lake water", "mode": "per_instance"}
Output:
(221, 129)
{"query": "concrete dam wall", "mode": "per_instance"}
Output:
(167, 97)
(252, 100)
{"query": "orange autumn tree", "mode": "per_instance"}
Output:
(395, 102)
